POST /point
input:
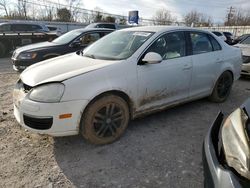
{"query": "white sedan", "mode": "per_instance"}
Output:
(244, 45)
(128, 73)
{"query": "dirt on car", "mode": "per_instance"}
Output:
(160, 150)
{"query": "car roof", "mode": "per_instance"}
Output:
(96, 23)
(27, 23)
(93, 29)
(162, 28)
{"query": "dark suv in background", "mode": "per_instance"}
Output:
(71, 41)
(17, 27)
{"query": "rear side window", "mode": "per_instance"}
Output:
(19, 27)
(215, 44)
(4, 28)
(35, 27)
(200, 43)
(110, 26)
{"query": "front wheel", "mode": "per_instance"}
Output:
(222, 88)
(105, 120)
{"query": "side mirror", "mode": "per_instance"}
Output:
(152, 58)
(75, 44)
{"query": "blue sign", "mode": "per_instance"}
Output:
(133, 17)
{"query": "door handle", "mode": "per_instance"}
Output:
(218, 60)
(187, 66)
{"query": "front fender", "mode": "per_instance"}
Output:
(91, 84)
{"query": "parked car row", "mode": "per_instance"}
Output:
(226, 36)
(229, 38)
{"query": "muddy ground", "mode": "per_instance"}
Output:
(160, 150)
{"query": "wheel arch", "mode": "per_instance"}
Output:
(119, 93)
(225, 70)
(230, 71)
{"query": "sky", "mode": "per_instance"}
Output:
(217, 9)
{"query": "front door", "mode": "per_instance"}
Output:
(169, 81)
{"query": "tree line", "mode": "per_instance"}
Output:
(72, 12)
(50, 11)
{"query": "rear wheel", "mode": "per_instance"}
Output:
(222, 88)
(105, 120)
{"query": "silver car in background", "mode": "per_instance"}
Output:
(244, 45)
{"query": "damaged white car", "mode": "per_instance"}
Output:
(124, 75)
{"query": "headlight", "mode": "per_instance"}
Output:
(47, 93)
(27, 55)
(235, 142)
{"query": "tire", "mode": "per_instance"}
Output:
(222, 88)
(2, 50)
(105, 120)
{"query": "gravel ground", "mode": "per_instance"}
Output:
(160, 150)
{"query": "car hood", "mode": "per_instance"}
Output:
(244, 48)
(35, 46)
(61, 68)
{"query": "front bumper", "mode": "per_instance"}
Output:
(245, 70)
(43, 118)
(215, 174)
(22, 64)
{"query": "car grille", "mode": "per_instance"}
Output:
(41, 123)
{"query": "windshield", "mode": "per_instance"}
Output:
(67, 37)
(117, 45)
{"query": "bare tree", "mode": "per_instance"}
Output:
(240, 17)
(197, 18)
(50, 13)
(22, 9)
(163, 17)
(73, 6)
(3, 4)
(88, 17)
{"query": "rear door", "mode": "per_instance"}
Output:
(207, 58)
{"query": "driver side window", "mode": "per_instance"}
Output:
(89, 38)
(169, 46)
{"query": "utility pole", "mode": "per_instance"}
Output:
(230, 15)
